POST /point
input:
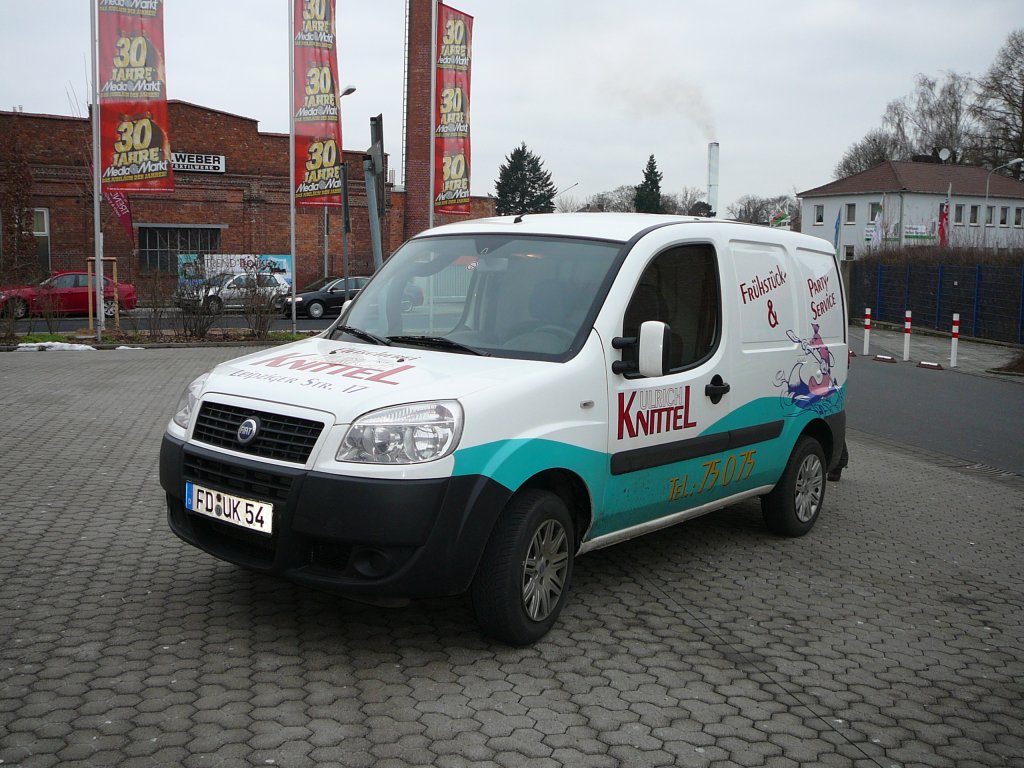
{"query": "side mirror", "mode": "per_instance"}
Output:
(655, 344)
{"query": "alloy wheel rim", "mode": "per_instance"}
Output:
(809, 482)
(545, 569)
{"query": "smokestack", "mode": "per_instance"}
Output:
(713, 176)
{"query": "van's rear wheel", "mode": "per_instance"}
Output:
(524, 575)
(793, 506)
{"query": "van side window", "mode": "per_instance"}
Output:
(679, 288)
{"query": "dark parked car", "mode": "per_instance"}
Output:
(328, 295)
(65, 293)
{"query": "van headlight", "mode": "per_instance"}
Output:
(189, 400)
(404, 434)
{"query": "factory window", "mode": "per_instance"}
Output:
(159, 247)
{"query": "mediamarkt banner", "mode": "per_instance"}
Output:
(316, 123)
(135, 149)
(451, 110)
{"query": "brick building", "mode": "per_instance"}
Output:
(232, 197)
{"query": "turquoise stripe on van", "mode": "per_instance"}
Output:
(623, 501)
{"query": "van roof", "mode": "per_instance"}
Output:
(620, 227)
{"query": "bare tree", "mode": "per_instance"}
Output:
(877, 146)
(935, 115)
(682, 203)
(761, 210)
(260, 304)
(999, 106)
(567, 204)
(621, 199)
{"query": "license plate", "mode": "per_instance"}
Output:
(247, 513)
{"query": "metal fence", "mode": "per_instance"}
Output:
(989, 299)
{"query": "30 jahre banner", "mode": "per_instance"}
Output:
(451, 110)
(318, 151)
(135, 146)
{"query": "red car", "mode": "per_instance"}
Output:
(64, 293)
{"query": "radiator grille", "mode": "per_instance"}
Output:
(285, 438)
(241, 481)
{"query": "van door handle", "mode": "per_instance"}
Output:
(716, 389)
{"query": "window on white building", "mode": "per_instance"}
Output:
(819, 214)
(851, 213)
(990, 215)
(1004, 216)
(848, 252)
(1018, 217)
(958, 213)
(873, 210)
(974, 214)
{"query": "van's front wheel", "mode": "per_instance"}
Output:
(524, 575)
(793, 506)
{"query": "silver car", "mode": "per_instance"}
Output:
(233, 291)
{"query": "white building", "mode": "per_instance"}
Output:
(907, 197)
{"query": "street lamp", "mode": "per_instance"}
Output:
(984, 231)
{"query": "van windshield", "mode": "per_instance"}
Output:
(527, 297)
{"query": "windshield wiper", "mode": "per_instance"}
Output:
(439, 342)
(359, 333)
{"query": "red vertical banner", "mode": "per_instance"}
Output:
(318, 151)
(135, 146)
(451, 110)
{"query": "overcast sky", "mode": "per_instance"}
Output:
(592, 86)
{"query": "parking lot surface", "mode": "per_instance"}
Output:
(892, 635)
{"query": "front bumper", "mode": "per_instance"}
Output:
(395, 538)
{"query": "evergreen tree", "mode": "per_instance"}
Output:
(523, 186)
(648, 192)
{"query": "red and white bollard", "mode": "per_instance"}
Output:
(906, 337)
(956, 339)
(867, 330)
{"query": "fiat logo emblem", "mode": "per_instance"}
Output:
(247, 431)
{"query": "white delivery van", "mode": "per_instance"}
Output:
(570, 381)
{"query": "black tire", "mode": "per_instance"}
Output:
(793, 506)
(214, 305)
(17, 308)
(315, 309)
(526, 569)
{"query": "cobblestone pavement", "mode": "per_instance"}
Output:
(892, 635)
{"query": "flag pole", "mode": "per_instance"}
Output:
(94, 20)
(433, 106)
(291, 151)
